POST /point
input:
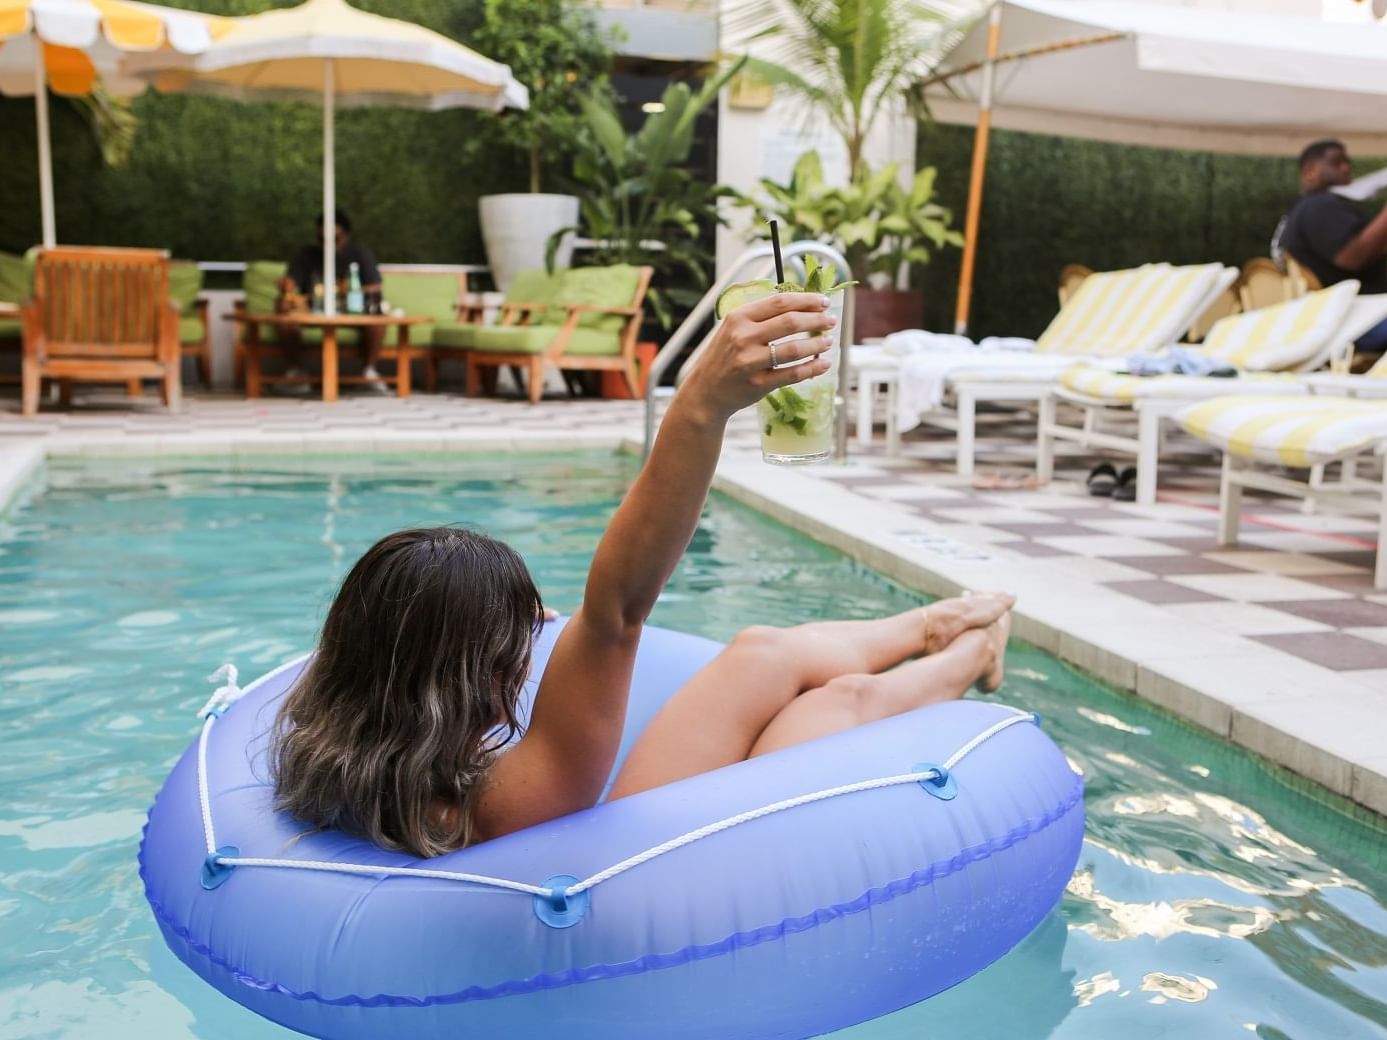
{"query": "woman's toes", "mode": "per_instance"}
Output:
(998, 633)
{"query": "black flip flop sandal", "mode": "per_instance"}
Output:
(1126, 490)
(1102, 479)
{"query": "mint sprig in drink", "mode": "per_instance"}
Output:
(796, 421)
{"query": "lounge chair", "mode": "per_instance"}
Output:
(528, 296)
(1263, 284)
(1071, 277)
(194, 339)
(103, 316)
(1112, 314)
(1266, 346)
(1308, 432)
(592, 323)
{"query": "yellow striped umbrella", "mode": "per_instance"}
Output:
(329, 52)
(66, 45)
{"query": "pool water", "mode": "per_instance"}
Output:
(1214, 896)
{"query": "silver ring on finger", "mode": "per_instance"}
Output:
(774, 362)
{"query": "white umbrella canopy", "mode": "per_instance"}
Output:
(1171, 76)
(328, 52)
(1162, 75)
(67, 45)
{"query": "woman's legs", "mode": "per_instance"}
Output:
(976, 656)
(719, 715)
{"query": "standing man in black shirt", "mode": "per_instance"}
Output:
(1326, 233)
(306, 272)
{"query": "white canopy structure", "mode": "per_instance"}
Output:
(1163, 75)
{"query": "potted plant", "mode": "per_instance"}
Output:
(851, 61)
(881, 227)
(640, 202)
(553, 47)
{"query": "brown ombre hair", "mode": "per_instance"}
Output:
(412, 690)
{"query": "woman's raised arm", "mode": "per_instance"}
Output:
(565, 757)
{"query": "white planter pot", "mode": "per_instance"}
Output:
(516, 230)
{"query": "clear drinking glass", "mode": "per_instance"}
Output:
(797, 420)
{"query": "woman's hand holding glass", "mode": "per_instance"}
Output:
(740, 366)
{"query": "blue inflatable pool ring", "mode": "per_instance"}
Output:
(788, 896)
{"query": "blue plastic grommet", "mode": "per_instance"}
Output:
(1035, 717)
(214, 874)
(557, 910)
(942, 785)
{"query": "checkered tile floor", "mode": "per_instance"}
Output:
(1301, 583)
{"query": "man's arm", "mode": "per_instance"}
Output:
(1364, 247)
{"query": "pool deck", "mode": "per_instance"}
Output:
(1279, 645)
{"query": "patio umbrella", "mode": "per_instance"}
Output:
(1166, 76)
(329, 52)
(65, 45)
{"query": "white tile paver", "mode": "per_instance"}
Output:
(1254, 588)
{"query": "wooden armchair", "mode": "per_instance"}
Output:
(581, 339)
(101, 316)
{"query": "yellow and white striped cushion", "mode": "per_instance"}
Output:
(1119, 388)
(1284, 336)
(1288, 431)
(1132, 311)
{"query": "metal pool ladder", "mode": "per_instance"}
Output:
(756, 262)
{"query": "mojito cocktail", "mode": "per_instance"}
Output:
(796, 421)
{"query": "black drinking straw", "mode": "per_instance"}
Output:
(775, 245)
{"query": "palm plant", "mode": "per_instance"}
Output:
(640, 201)
(850, 60)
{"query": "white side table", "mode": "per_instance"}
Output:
(872, 367)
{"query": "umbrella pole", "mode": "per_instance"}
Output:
(50, 234)
(329, 190)
(975, 179)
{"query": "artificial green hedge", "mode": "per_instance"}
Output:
(224, 180)
(1051, 201)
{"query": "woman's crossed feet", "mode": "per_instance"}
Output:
(947, 619)
(995, 672)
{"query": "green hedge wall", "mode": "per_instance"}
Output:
(1050, 201)
(223, 180)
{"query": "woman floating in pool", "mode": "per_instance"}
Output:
(396, 730)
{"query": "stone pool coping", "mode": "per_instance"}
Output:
(1295, 714)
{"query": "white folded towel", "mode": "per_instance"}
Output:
(914, 341)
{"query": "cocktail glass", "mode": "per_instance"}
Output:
(797, 420)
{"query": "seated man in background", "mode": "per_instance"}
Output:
(305, 277)
(1326, 233)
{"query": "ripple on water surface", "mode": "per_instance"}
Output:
(1211, 899)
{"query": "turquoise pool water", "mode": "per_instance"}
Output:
(1212, 899)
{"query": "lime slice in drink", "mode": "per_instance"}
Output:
(735, 296)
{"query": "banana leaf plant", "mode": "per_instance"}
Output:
(639, 200)
(878, 224)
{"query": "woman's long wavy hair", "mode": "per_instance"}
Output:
(412, 690)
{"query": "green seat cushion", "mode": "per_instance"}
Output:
(16, 277)
(190, 330)
(10, 329)
(458, 334)
(185, 282)
(613, 286)
(431, 295)
(536, 286)
(533, 339)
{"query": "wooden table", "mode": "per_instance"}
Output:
(330, 324)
